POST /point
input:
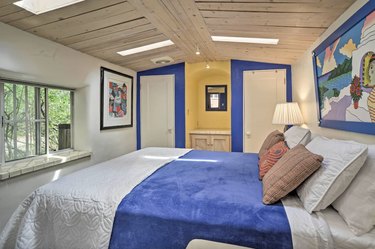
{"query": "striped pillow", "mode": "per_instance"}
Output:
(272, 139)
(271, 157)
(289, 172)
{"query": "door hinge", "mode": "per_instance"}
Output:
(2, 121)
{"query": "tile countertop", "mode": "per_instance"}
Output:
(211, 131)
(32, 164)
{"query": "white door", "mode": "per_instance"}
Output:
(157, 111)
(263, 89)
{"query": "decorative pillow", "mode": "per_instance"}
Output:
(357, 204)
(342, 161)
(272, 139)
(297, 135)
(271, 157)
(289, 172)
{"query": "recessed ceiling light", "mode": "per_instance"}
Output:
(146, 48)
(245, 39)
(41, 6)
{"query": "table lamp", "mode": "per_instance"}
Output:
(287, 114)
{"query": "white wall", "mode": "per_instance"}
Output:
(304, 85)
(28, 57)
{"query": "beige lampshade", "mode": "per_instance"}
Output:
(287, 114)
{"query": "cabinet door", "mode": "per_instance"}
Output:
(220, 143)
(200, 142)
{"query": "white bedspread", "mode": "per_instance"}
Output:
(342, 236)
(77, 211)
(309, 231)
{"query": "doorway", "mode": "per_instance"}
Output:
(263, 89)
(157, 111)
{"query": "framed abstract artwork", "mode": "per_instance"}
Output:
(116, 99)
(344, 67)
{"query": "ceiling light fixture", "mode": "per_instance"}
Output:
(146, 48)
(245, 39)
(197, 51)
(162, 60)
(42, 6)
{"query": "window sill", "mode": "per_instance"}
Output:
(22, 167)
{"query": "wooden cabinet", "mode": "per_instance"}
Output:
(213, 140)
(200, 141)
(220, 143)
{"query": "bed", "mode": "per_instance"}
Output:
(170, 198)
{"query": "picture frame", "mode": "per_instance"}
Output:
(345, 86)
(216, 97)
(116, 99)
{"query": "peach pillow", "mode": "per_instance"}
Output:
(272, 139)
(268, 160)
(289, 172)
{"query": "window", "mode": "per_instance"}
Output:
(35, 120)
(216, 98)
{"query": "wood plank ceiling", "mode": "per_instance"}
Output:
(103, 27)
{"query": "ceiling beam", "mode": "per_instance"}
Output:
(181, 22)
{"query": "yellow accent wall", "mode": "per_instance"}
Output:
(197, 76)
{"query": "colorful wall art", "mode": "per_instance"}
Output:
(345, 76)
(116, 100)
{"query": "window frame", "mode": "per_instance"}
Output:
(222, 98)
(28, 120)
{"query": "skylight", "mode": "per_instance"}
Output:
(245, 40)
(41, 6)
(146, 48)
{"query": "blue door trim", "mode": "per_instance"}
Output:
(237, 69)
(178, 70)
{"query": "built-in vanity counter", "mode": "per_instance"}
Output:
(211, 139)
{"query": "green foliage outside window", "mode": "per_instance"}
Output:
(25, 123)
(58, 113)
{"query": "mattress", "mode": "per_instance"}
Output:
(338, 236)
(78, 210)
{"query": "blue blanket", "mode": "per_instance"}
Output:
(203, 195)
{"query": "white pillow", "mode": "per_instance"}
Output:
(342, 161)
(357, 204)
(296, 135)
